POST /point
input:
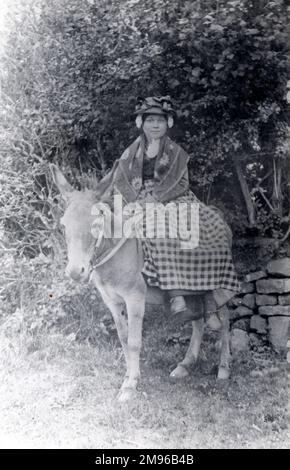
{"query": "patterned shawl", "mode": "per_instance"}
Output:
(170, 175)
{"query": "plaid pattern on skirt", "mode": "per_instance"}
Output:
(208, 266)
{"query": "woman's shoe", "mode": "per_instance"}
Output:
(180, 312)
(177, 305)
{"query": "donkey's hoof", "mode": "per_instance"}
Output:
(214, 323)
(180, 372)
(223, 373)
(125, 384)
(126, 394)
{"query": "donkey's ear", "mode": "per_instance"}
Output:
(61, 182)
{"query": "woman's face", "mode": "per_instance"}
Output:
(155, 126)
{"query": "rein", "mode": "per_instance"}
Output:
(114, 249)
(110, 254)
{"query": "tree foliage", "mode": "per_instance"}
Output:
(71, 72)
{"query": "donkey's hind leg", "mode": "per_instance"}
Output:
(224, 365)
(182, 370)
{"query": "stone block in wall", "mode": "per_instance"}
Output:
(255, 276)
(249, 300)
(279, 267)
(242, 324)
(239, 340)
(273, 310)
(284, 299)
(241, 311)
(278, 331)
(234, 302)
(264, 299)
(273, 286)
(247, 287)
(258, 324)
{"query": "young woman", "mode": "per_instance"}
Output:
(154, 169)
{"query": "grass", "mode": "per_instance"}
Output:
(56, 392)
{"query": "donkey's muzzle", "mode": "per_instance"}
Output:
(76, 273)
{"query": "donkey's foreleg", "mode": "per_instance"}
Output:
(135, 310)
(120, 319)
(224, 365)
(182, 370)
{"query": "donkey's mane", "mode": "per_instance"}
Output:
(90, 196)
(82, 195)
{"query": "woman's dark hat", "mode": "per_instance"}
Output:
(155, 105)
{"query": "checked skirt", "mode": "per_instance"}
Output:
(208, 266)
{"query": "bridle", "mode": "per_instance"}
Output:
(114, 249)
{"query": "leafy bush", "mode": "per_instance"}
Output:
(35, 298)
(71, 72)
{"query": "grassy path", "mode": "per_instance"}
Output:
(62, 395)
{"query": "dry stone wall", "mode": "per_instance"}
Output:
(262, 311)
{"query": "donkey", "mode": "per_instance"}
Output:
(123, 288)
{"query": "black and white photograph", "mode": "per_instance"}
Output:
(144, 227)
